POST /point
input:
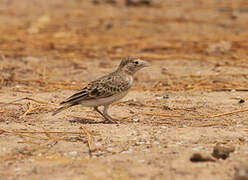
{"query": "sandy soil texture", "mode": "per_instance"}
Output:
(190, 101)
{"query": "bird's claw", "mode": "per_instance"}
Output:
(111, 121)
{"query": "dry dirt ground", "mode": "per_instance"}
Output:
(192, 97)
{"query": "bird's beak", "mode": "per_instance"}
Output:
(145, 64)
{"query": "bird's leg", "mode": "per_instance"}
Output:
(105, 114)
(109, 118)
(97, 110)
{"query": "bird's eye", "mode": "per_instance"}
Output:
(136, 62)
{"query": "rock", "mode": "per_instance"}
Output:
(138, 2)
(222, 151)
(199, 157)
(104, 1)
(241, 101)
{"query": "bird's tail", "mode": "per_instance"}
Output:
(61, 109)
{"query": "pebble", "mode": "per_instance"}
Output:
(110, 149)
(148, 142)
(196, 148)
(129, 151)
(140, 143)
(73, 153)
(199, 157)
(98, 144)
(222, 151)
(135, 120)
(156, 142)
(17, 169)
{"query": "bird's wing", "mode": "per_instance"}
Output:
(104, 87)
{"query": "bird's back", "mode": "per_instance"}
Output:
(106, 86)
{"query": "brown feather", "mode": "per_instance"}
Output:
(62, 108)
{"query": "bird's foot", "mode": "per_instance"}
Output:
(110, 120)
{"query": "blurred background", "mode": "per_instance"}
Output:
(73, 32)
(109, 29)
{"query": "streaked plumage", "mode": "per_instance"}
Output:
(107, 89)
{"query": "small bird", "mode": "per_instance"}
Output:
(107, 89)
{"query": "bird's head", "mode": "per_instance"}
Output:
(132, 65)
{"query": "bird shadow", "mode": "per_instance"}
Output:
(89, 121)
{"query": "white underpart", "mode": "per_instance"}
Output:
(104, 101)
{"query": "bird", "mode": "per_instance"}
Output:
(106, 89)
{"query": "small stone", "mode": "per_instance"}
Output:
(141, 160)
(164, 68)
(17, 169)
(159, 98)
(239, 125)
(109, 26)
(73, 153)
(196, 149)
(138, 143)
(148, 142)
(156, 142)
(138, 2)
(110, 149)
(134, 132)
(222, 151)
(118, 50)
(98, 144)
(129, 151)
(166, 96)
(199, 157)
(178, 143)
(241, 101)
(135, 120)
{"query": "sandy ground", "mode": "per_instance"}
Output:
(192, 97)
